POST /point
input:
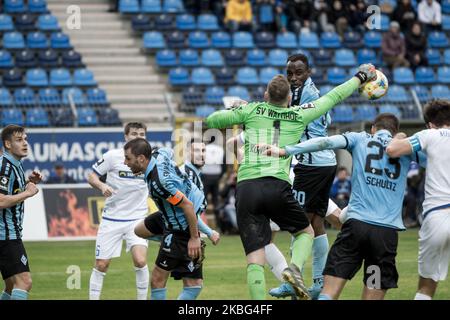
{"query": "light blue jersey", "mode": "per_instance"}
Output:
(167, 185)
(315, 129)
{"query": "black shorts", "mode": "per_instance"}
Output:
(257, 201)
(13, 258)
(155, 223)
(173, 256)
(312, 186)
(375, 245)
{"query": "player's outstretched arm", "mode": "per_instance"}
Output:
(226, 118)
(402, 146)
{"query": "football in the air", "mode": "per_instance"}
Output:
(375, 89)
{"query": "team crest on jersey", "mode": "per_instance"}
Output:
(24, 260)
(308, 106)
(191, 266)
(4, 182)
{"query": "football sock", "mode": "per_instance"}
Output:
(319, 252)
(5, 296)
(159, 294)
(142, 279)
(256, 281)
(275, 260)
(324, 296)
(190, 293)
(19, 294)
(96, 284)
(301, 249)
(421, 296)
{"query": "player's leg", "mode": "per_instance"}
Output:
(332, 287)
(373, 294)
(255, 274)
(15, 270)
(9, 286)
(274, 258)
(191, 289)
(158, 283)
(22, 285)
(151, 228)
(138, 248)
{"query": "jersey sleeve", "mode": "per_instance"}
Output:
(226, 118)
(419, 141)
(241, 137)
(6, 180)
(102, 166)
(352, 139)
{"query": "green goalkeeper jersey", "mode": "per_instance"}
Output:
(265, 123)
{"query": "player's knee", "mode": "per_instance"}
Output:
(318, 226)
(189, 282)
(102, 265)
(23, 282)
(158, 279)
(140, 262)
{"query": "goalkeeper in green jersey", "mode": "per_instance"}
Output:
(264, 188)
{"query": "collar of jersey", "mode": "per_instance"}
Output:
(13, 160)
(150, 167)
(383, 132)
(191, 165)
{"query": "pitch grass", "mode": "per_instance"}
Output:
(224, 271)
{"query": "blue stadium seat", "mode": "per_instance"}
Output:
(109, 117)
(256, 58)
(48, 59)
(204, 111)
(322, 57)
(443, 75)
(367, 56)
(384, 22)
(192, 96)
(446, 22)
(372, 39)
(352, 40)
(344, 58)
(247, 76)
(306, 53)
(336, 75)
(330, 40)
(84, 77)
(189, 57)
(235, 58)
(96, 97)
(433, 56)
(151, 6)
(202, 76)
(60, 77)
(221, 40)
(24, 97)
(14, 6)
(72, 59)
(6, 23)
(225, 76)
(440, 91)
(61, 117)
(425, 75)
(263, 40)
(74, 94)
(13, 40)
(239, 91)
(422, 92)
(325, 89)
(129, 6)
(36, 78)
(365, 113)
(165, 22)
(258, 93)
(437, 39)
(176, 40)
(59, 40)
(390, 108)
(309, 40)
(36, 117)
(154, 40)
(445, 6)
(185, 22)
(398, 93)
(13, 78)
(87, 117)
(243, 39)
(214, 95)
(5, 98)
(198, 40)
(6, 60)
(207, 22)
(26, 59)
(286, 40)
(49, 97)
(179, 77)
(12, 116)
(37, 40)
(277, 57)
(25, 22)
(317, 76)
(37, 6)
(342, 113)
(47, 22)
(141, 23)
(266, 74)
(173, 6)
(212, 58)
(447, 57)
(403, 76)
(166, 58)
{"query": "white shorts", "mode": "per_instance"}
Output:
(110, 235)
(434, 245)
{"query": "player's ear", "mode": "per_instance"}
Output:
(7, 144)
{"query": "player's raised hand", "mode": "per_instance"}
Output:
(35, 177)
(215, 237)
(31, 189)
(107, 191)
(366, 72)
(271, 151)
(194, 247)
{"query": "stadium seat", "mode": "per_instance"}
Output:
(325, 89)
(60, 77)
(151, 6)
(202, 76)
(256, 58)
(37, 40)
(247, 76)
(447, 57)
(13, 78)
(25, 22)
(372, 39)
(37, 6)
(72, 59)
(277, 57)
(422, 92)
(207, 22)
(59, 40)
(212, 58)
(87, 117)
(389, 108)
(96, 97)
(36, 78)
(258, 93)
(141, 23)
(342, 113)
(366, 56)
(176, 40)
(154, 40)
(384, 19)
(15, 6)
(61, 117)
(173, 6)
(192, 96)
(306, 53)
(48, 59)
(179, 76)
(6, 60)
(189, 58)
(336, 75)
(13, 40)
(166, 58)
(309, 40)
(322, 57)
(330, 40)
(5, 98)
(317, 76)
(446, 22)
(185, 22)
(225, 77)
(24, 97)
(425, 75)
(235, 58)
(47, 22)
(198, 40)
(263, 40)
(26, 59)
(109, 117)
(344, 58)
(214, 95)
(239, 91)
(242, 40)
(440, 91)
(84, 77)
(221, 40)
(286, 40)
(129, 6)
(443, 75)
(49, 97)
(266, 74)
(204, 111)
(433, 56)
(437, 40)
(403, 76)
(74, 95)
(165, 22)
(12, 116)
(6, 23)
(365, 113)
(352, 40)
(398, 93)
(36, 117)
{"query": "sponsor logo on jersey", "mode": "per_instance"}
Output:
(4, 182)
(129, 175)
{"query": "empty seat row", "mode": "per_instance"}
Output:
(56, 77)
(45, 59)
(150, 6)
(29, 22)
(19, 6)
(36, 40)
(182, 22)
